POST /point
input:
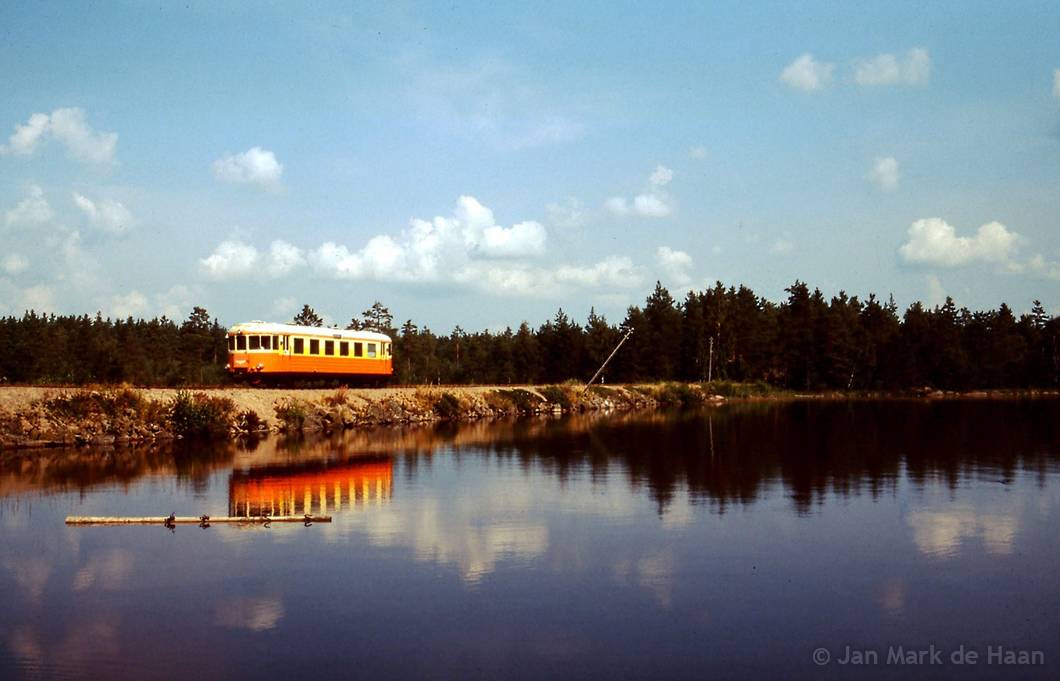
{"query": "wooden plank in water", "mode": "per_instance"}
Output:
(191, 520)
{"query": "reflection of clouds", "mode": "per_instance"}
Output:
(87, 644)
(254, 614)
(108, 570)
(940, 533)
(892, 597)
(22, 643)
(471, 532)
(654, 572)
(466, 538)
(31, 573)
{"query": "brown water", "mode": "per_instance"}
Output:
(731, 543)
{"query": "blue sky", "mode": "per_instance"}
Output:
(481, 164)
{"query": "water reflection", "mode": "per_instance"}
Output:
(318, 487)
(721, 543)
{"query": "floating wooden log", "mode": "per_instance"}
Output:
(192, 520)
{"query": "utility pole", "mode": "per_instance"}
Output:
(710, 360)
(601, 369)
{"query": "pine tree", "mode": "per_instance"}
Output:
(307, 317)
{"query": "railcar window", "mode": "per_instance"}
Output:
(241, 342)
(255, 342)
(389, 350)
(344, 348)
(275, 342)
(231, 343)
(358, 349)
(314, 346)
(329, 347)
(299, 346)
(371, 349)
(266, 342)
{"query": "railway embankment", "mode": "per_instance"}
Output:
(33, 417)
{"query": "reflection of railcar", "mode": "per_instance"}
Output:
(263, 350)
(309, 488)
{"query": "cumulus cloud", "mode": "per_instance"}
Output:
(807, 74)
(936, 294)
(23, 141)
(653, 203)
(284, 258)
(661, 176)
(675, 264)
(617, 205)
(81, 141)
(132, 304)
(697, 152)
(569, 215)
(14, 264)
(254, 166)
(467, 248)
(884, 173)
(109, 215)
(889, 69)
(69, 128)
(933, 241)
(32, 210)
(231, 259)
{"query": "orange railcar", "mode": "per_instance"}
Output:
(262, 350)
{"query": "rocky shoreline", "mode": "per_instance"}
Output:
(119, 416)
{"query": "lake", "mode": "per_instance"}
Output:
(774, 540)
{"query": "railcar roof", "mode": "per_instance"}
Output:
(320, 331)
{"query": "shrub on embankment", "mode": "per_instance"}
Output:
(126, 415)
(109, 416)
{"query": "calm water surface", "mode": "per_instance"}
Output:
(730, 543)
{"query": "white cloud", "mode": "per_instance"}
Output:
(1056, 83)
(14, 264)
(132, 304)
(569, 215)
(651, 205)
(23, 141)
(661, 176)
(284, 258)
(617, 205)
(781, 247)
(32, 210)
(109, 215)
(81, 141)
(674, 263)
(697, 152)
(68, 127)
(518, 241)
(888, 69)
(254, 166)
(807, 74)
(284, 306)
(884, 173)
(936, 295)
(467, 248)
(40, 298)
(231, 259)
(934, 241)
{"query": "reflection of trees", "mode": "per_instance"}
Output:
(729, 455)
(68, 469)
(722, 456)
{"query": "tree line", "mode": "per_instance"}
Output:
(806, 342)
